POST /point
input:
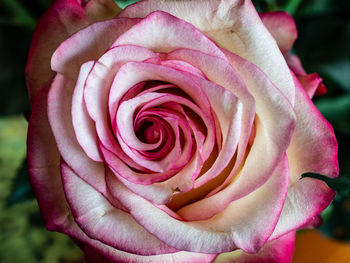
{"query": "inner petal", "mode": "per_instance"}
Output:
(148, 131)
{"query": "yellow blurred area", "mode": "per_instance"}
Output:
(313, 247)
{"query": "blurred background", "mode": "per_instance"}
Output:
(323, 46)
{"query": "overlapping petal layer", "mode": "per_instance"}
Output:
(158, 140)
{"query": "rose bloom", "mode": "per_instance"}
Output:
(175, 131)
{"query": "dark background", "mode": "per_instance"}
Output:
(323, 46)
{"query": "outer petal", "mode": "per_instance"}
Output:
(43, 163)
(277, 251)
(282, 27)
(62, 19)
(313, 147)
(233, 25)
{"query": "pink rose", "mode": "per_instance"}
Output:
(174, 132)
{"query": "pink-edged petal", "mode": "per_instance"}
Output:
(62, 18)
(238, 226)
(282, 27)
(60, 118)
(98, 84)
(277, 251)
(312, 83)
(106, 223)
(125, 121)
(93, 41)
(306, 199)
(313, 147)
(160, 32)
(234, 25)
(84, 126)
(183, 66)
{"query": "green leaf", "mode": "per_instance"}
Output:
(124, 3)
(339, 72)
(335, 108)
(292, 6)
(337, 111)
(21, 189)
(21, 15)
